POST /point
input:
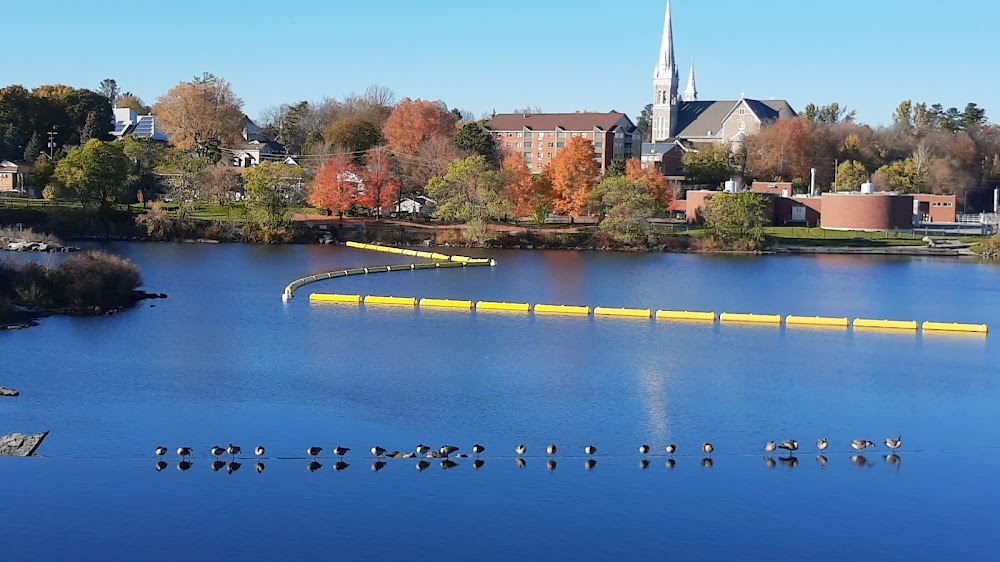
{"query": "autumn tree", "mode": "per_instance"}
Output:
(271, 187)
(850, 175)
(711, 164)
(656, 184)
(738, 219)
(199, 111)
(134, 103)
(381, 187)
(574, 173)
(519, 187)
(353, 134)
(412, 122)
(782, 150)
(335, 185)
(472, 192)
(221, 183)
(625, 206)
(95, 171)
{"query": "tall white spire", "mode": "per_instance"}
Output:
(691, 93)
(666, 103)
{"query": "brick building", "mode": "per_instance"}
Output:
(538, 137)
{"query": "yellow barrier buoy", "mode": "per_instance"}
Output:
(398, 301)
(445, 303)
(503, 306)
(627, 312)
(346, 299)
(685, 315)
(750, 318)
(955, 327)
(791, 320)
(561, 309)
(886, 324)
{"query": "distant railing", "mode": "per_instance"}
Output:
(981, 218)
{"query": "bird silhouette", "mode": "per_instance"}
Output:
(259, 450)
(341, 451)
(770, 446)
(447, 450)
(217, 451)
(378, 452)
(478, 449)
(520, 449)
(422, 449)
(184, 452)
(643, 449)
(861, 444)
(790, 445)
(314, 452)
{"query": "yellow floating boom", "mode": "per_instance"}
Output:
(955, 327)
(395, 301)
(346, 299)
(445, 303)
(821, 321)
(886, 324)
(561, 309)
(750, 318)
(685, 315)
(503, 306)
(628, 312)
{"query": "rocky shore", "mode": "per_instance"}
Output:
(20, 245)
(21, 445)
(8, 392)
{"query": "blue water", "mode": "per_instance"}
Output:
(223, 360)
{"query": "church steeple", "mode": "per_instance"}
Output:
(691, 93)
(665, 82)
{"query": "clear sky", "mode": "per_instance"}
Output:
(485, 55)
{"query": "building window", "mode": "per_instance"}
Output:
(561, 134)
(743, 111)
(519, 145)
(560, 144)
(599, 144)
(541, 135)
(527, 155)
(527, 144)
(510, 135)
(529, 165)
(551, 144)
(549, 155)
(539, 155)
(519, 135)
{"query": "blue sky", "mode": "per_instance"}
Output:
(560, 55)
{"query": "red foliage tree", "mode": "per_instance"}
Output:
(783, 150)
(574, 173)
(520, 187)
(652, 179)
(412, 122)
(335, 185)
(380, 185)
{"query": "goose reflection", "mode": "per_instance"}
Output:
(769, 462)
(259, 467)
(671, 463)
(233, 467)
(422, 465)
(478, 463)
(378, 465)
(340, 465)
(448, 463)
(590, 464)
(644, 464)
(707, 462)
(551, 465)
(184, 466)
(160, 465)
(521, 463)
(789, 461)
(821, 460)
(313, 466)
(861, 461)
(217, 465)
(894, 459)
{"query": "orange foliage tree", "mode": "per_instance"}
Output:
(335, 185)
(655, 183)
(520, 187)
(380, 185)
(784, 150)
(574, 173)
(412, 122)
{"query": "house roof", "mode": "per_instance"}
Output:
(553, 121)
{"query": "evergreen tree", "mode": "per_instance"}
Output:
(90, 129)
(33, 148)
(12, 144)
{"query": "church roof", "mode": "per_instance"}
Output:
(553, 121)
(705, 118)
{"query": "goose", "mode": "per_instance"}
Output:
(217, 451)
(551, 449)
(233, 467)
(448, 463)
(341, 451)
(160, 451)
(184, 452)
(822, 444)
(861, 444)
(770, 446)
(643, 449)
(551, 465)
(590, 464)
(644, 464)
(378, 465)
(520, 449)
(790, 445)
(259, 451)
(478, 463)
(422, 465)
(340, 465)
(183, 466)
(259, 467)
(314, 452)
(313, 466)
(447, 450)
(478, 449)
(894, 444)
(422, 449)
(707, 448)
(590, 450)
(233, 450)
(160, 465)
(671, 449)
(378, 452)
(217, 465)
(521, 463)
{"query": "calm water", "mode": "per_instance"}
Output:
(223, 360)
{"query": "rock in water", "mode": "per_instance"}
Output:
(21, 445)
(8, 392)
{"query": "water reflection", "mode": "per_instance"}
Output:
(521, 463)
(551, 465)
(478, 463)
(821, 460)
(790, 462)
(707, 462)
(671, 463)
(184, 466)
(769, 462)
(644, 464)
(217, 465)
(259, 467)
(894, 459)
(422, 465)
(160, 465)
(233, 467)
(861, 461)
(313, 466)
(340, 465)
(378, 465)
(448, 463)
(590, 464)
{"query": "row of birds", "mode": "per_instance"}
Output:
(446, 451)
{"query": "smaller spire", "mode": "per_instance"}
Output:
(691, 93)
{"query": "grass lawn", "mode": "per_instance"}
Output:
(804, 236)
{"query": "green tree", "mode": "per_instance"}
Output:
(830, 114)
(291, 133)
(472, 138)
(33, 149)
(710, 165)
(471, 191)
(645, 123)
(271, 187)
(625, 206)
(902, 117)
(908, 176)
(91, 128)
(41, 173)
(739, 219)
(109, 89)
(12, 143)
(973, 116)
(352, 134)
(95, 171)
(616, 167)
(850, 175)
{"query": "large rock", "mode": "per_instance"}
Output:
(8, 392)
(21, 445)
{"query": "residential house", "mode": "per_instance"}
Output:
(14, 177)
(129, 123)
(255, 147)
(416, 205)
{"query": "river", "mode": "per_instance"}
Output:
(224, 360)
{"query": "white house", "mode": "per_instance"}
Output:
(129, 123)
(416, 205)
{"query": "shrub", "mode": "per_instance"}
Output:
(91, 280)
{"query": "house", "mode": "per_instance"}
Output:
(256, 148)
(129, 123)
(14, 177)
(666, 156)
(416, 205)
(539, 137)
(691, 121)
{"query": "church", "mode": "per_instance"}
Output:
(681, 124)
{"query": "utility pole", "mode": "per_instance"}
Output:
(52, 144)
